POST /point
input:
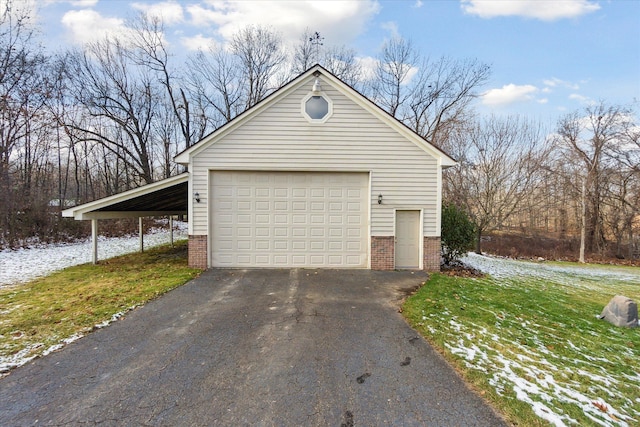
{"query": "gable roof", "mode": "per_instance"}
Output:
(444, 159)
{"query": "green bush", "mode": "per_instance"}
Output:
(458, 233)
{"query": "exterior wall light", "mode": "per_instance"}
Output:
(197, 197)
(379, 199)
(316, 90)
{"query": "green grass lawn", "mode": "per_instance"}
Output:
(42, 315)
(530, 342)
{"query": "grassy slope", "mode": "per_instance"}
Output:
(45, 312)
(534, 347)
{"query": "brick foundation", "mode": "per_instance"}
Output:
(198, 252)
(382, 253)
(432, 253)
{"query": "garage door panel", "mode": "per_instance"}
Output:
(298, 232)
(281, 245)
(336, 232)
(298, 260)
(263, 245)
(244, 192)
(263, 260)
(299, 206)
(244, 206)
(262, 206)
(299, 192)
(280, 232)
(245, 245)
(282, 219)
(243, 232)
(280, 260)
(244, 218)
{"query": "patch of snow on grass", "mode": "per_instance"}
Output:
(18, 359)
(22, 265)
(26, 355)
(505, 268)
(526, 369)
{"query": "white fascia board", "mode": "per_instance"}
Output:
(126, 214)
(86, 211)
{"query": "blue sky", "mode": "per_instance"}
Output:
(548, 57)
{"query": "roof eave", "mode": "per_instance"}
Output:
(88, 210)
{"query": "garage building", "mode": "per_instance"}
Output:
(315, 176)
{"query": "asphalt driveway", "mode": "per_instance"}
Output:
(258, 347)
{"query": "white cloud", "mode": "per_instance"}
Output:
(198, 42)
(368, 65)
(555, 82)
(582, 99)
(169, 12)
(338, 22)
(509, 94)
(418, 4)
(74, 3)
(88, 25)
(391, 27)
(543, 10)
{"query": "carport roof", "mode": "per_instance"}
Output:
(166, 197)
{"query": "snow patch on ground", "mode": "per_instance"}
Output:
(25, 264)
(540, 377)
(506, 268)
(7, 363)
(534, 384)
(22, 265)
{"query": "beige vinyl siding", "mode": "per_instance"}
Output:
(281, 139)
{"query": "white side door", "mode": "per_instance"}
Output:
(407, 240)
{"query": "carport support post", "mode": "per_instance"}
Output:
(94, 241)
(140, 234)
(171, 230)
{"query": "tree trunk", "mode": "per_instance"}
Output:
(583, 226)
(479, 242)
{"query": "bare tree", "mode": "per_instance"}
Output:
(431, 97)
(339, 60)
(621, 207)
(215, 82)
(500, 164)
(23, 90)
(590, 139)
(262, 58)
(342, 62)
(121, 101)
(391, 86)
(307, 52)
(149, 51)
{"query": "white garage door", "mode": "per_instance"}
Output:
(289, 219)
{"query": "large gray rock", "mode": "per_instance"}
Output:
(621, 311)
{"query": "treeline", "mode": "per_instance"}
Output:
(578, 181)
(85, 123)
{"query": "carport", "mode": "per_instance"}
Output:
(163, 198)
